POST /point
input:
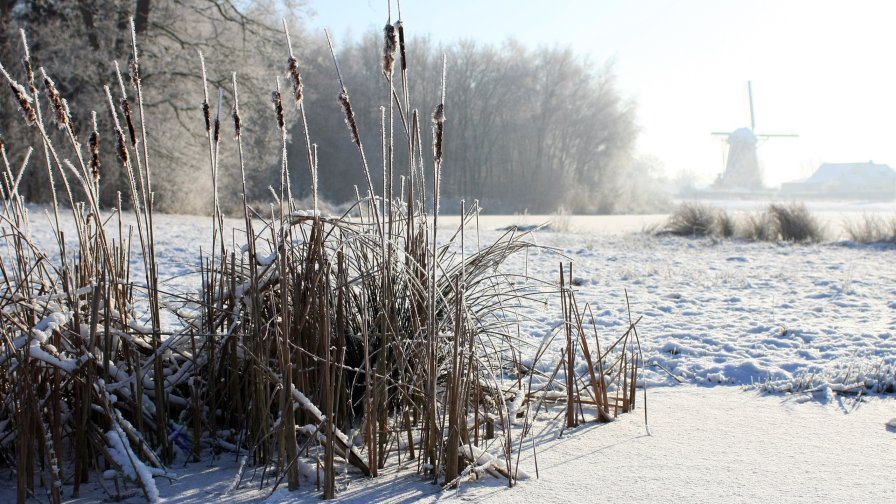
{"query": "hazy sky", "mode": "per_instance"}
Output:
(825, 70)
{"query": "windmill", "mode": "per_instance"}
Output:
(742, 165)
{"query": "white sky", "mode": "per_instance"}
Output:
(821, 68)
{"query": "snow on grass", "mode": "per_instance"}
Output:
(120, 451)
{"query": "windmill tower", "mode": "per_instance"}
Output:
(742, 166)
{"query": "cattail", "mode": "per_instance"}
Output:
(390, 44)
(126, 110)
(349, 116)
(121, 145)
(278, 107)
(24, 102)
(297, 86)
(217, 133)
(438, 121)
(235, 113)
(26, 62)
(399, 27)
(207, 112)
(95, 151)
(60, 106)
(29, 71)
(135, 74)
(237, 122)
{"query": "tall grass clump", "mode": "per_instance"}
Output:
(692, 219)
(561, 220)
(794, 223)
(368, 340)
(784, 223)
(871, 228)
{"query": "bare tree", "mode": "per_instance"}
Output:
(77, 42)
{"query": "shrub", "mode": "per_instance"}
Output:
(871, 229)
(725, 225)
(794, 223)
(790, 223)
(758, 227)
(691, 219)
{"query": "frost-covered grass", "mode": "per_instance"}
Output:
(870, 228)
(777, 222)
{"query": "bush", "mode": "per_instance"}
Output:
(871, 229)
(790, 223)
(758, 227)
(691, 219)
(794, 223)
(725, 226)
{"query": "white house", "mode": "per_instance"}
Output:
(846, 180)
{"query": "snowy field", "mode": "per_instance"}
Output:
(723, 323)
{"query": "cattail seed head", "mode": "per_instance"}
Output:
(438, 121)
(60, 106)
(399, 27)
(390, 45)
(95, 155)
(297, 86)
(126, 110)
(237, 122)
(122, 147)
(349, 117)
(438, 115)
(24, 102)
(94, 142)
(278, 108)
(207, 113)
(217, 134)
(29, 71)
(135, 74)
(235, 112)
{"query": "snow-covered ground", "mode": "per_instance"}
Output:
(726, 319)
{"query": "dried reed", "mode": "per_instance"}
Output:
(369, 324)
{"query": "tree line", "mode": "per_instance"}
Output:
(532, 129)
